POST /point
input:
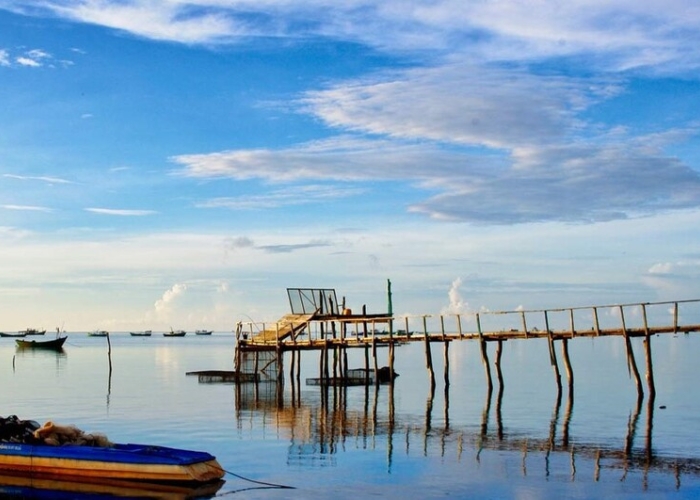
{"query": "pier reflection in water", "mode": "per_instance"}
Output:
(324, 423)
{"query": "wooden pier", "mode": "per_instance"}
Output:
(318, 322)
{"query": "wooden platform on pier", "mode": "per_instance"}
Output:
(285, 328)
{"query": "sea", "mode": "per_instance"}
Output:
(523, 439)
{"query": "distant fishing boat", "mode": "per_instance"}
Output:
(32, 331)
(18, 334)
(145, 333)
(203, 332)
(98, 333)
(175, 333)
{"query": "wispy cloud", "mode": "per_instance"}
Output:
(50, 180)
(293, 195)
(630, 34)
(4, 58)
(30, 208)
(120, 212)
(294, 247)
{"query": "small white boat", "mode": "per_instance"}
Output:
(203, 332)
(98, 333)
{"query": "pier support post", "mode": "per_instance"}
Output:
(484, 355)
(552, 354)
(647, 354)
(428, 355)
(497, 362)
(567, 365)
(631, 363)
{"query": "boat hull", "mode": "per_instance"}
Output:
(131, 462)
(55, 344)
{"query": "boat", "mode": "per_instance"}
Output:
(129, 462)
(175, 333)
(65, 452)
(54, 344)
(18, 334)
(98, 333)
(146, 333)
(32, 331)
(203, 332)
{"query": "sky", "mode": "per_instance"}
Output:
(181, 163)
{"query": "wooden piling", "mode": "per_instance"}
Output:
(497, 362)
(484, 355)
(567, 365)
(428, 354)
(552, 354)
(647, 355)
(631, 362)
(446, 355)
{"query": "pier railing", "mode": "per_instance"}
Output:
(558, 325)
(633, 319)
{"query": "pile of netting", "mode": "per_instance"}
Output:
(14, 430)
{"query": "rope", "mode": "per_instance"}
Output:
(261, 483)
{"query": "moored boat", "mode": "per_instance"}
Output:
(145, 333)
(32, 331)
(98, 333)
(203, 332)
(18, 334)
(175, 333)
(66, 452)
(134, 462)
(55, 344)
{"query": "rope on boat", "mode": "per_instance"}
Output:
(262, 483)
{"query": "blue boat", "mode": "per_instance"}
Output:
(128, 462)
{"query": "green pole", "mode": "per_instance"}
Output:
(391, 308)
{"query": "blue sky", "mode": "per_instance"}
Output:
(180, 163)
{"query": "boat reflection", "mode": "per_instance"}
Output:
(324, 424)
(18, 487)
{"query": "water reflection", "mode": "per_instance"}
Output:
(319, 426)
(18, 487)
(23, 354)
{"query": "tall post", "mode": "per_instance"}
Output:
(631, 363)
(484, 355)
(552, 353)
(428, 354)
(647, 353)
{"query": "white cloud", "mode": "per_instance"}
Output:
(459, 103)
(30, 208)
(120, 212)
(27, 61)
(630, 34)
(50, 180)
(661, 268)
(164, 305)
(4, 58)
(457, 304)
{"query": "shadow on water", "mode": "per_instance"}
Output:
(18, 487)
(320, 427)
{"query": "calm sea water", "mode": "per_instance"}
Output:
(453, 442)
